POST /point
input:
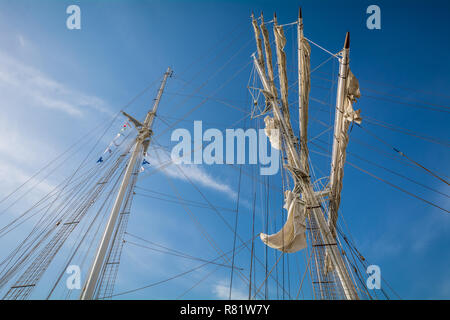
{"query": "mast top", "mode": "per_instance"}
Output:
(300, 12)
(347, 41)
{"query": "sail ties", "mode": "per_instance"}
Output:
(292, 237)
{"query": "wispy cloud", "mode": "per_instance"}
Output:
(194, 173)
(222, 291)
(21, 40)
(19, 81)
(23, 88)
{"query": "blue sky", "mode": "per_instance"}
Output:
(57, 84)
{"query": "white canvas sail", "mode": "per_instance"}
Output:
(353, 93)
(291, 238)
(272, 131)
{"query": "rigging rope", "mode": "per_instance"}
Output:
(404, 155)
(180, 274)
(383, 180)
(235, 233)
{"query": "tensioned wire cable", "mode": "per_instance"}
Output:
(394, 99)
(381, 179)
(180, 274)
(47, 254)
(215, 91)
(413, 163)
(51, 225)
(383, 124)
(214, 208)
(384, 153)
(67, 182)
(89, 174)
(391, 171)
(85, 234)
(204, 233)
(128, 104)
(404, 155)
(180, 255)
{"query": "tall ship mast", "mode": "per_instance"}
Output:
(309, 212)
(84, 220)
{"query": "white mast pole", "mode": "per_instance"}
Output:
(338, 127)
(142, 139)
(342, 81)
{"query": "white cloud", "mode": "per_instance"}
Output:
(33, 88)
(23, 147)
(193, 172)
(222, 291)
(21, 40)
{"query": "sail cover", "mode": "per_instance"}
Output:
(291, 238)
(305, 71)
(280, 42)
(273, 132)
(268, 52)
(305, 87)
(258, 43)
(353, 93)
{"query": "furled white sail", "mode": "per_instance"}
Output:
(280, 42)
(291, 238)
(349, 116)
(273, 132)
(305, 87)
(268, 52)
(258, 42)
(353, 93)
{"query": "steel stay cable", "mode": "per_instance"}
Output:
(87, 176)
(108, 198)
(267, 276)
(178, 275)
(235, 232)
(191, 215)
(385, 181)
(213, 207)
(79, 140)
(79, 167)
(404, 155)
(180, 255)
(416, 165)
(45, 234)
(392, 171)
